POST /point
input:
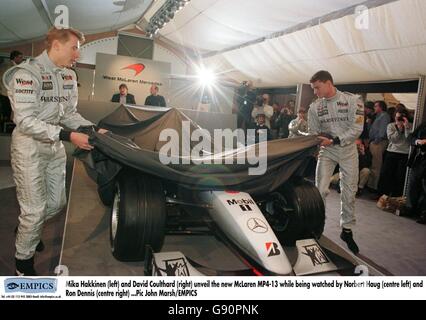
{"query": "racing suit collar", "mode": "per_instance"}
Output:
(44, 58)
(334, 98)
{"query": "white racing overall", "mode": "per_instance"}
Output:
(44, 98)
(341, 116)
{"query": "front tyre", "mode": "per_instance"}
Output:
(296, 211)
(138, 216)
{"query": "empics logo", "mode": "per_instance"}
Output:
(27, 285)
(137, 68)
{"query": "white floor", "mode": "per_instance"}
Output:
(396, 243)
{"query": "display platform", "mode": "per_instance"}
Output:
(86, 244)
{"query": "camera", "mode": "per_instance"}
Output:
(399, 118)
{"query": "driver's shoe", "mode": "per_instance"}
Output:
(347, 236)
(25, 267)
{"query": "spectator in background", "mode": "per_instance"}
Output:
(266, 99)
(262, 130)
(124, 97)
(403, 109)
(391, 112)
(262, 106)
(364, 160)
(274, 120)
(283, 122)
(246, 98)
(5, 108)
(257, 109)
(299, 126)
(291, 104)
(368, 121)
(392, 176)
(416, 191)
(155, 99)
(378, 142)
(15, 58)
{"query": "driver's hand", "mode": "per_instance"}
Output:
(325, 142)
(80, 140)
(102, 131)
(422, 142)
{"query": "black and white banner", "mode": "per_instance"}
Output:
(211, 288)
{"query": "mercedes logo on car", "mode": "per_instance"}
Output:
(256, 225)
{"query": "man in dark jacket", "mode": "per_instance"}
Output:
(282, 122)
(246, 98)
(368, 120)
(262, 130)
(416, 193)
(364, 162)
(123, 97)
(154, 99)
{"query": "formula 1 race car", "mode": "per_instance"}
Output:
(213, 192)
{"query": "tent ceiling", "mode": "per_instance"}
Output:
(25, 20)
(211, 25)
(393, 46)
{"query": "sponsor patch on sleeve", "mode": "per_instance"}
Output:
(66, 77)
(24, 95)
(20, 82)
(25, 99)
(24, 89)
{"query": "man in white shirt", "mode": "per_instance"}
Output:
(262, 106)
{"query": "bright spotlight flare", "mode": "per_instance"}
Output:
(206, 77)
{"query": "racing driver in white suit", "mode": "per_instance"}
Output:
(337, 118)
(43, 94)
